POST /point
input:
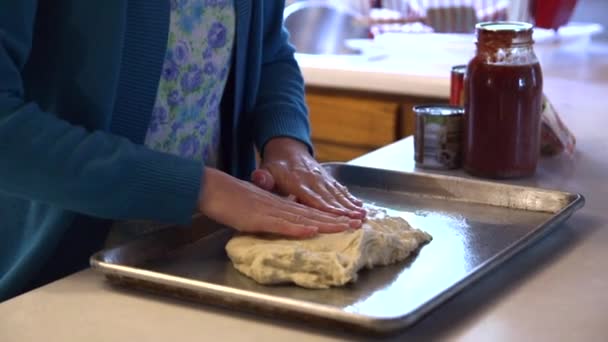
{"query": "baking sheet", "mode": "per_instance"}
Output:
(475, 227)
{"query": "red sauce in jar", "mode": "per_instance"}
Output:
(503, 106)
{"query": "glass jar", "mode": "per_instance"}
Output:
(503, 103)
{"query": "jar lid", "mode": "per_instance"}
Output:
(459, 69)
(438, 110)
(504, 33)
(497, 26)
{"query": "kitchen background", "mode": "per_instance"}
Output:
(349, 117)
(586, 10)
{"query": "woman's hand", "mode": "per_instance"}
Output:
(248, 208)
(289, 169)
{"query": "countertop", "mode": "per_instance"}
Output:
(419, 65)
(555, 291)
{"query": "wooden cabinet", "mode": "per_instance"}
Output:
(347, 124)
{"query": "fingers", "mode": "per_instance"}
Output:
(294, 220)
(344, 191)
(338, 224)
(311, 185)
(315, 200)
(328, 197)
(281, 216)
(263, 179)
(357, 212)
(255, 210)
(280, 226)
(337, 199)
(324, 197)
(321, 216)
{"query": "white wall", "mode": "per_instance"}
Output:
(593, 11)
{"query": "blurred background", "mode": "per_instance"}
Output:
(456, 16)
(367, 62)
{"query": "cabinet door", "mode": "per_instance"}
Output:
(348, 123)
(353, 121)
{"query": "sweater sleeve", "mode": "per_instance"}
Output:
(44, 158)
(280, 108)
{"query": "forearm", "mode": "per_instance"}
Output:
(46, 159)
(281, 146)
(280, 109)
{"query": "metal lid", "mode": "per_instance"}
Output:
(439, 109)
(498, 26)
(460, 69)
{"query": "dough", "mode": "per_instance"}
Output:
(327, 259)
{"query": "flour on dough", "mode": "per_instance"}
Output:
(327, 259)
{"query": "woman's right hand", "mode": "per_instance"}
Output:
(248, 208)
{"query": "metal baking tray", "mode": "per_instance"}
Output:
(475, 227)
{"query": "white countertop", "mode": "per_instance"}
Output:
(420, 65)
(555, 291)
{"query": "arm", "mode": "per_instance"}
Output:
(46, 159)
(282, 131)
(280, 109)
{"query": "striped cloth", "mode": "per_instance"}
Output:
(447, 16)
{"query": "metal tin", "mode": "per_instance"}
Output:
(438, 136)
(457, 90)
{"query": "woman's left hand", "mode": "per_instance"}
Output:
(289, 169)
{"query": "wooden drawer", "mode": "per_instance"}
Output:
(355, 121)
(331, 152)
(348, 123)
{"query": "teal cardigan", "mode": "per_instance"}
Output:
(77, 84)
